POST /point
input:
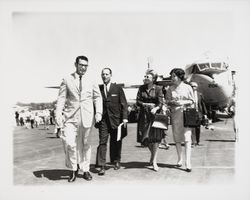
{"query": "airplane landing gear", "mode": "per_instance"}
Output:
(212, 115)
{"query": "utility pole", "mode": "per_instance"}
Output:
(150, 60)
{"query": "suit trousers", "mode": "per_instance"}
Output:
(196, 131)
(114, 148)
(77, 148)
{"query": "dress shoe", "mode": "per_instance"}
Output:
(87, 176)
(188, 170)
(72, 177)
(102, 171)
(97, 166)
(117, 166)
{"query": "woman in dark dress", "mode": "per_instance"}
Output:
(150, 100)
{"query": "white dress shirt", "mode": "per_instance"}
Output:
(106, 88)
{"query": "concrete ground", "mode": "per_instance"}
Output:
(39, 159)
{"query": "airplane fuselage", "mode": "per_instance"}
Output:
(216, 85)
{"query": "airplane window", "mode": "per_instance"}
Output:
(203, 66)
(216, 65)
(192, 69)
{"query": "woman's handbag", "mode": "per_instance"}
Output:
(160, 121)
(191, 117)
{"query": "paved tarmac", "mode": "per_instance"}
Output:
(39, 159)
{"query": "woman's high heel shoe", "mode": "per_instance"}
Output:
(155, 167)
(188, 170)
(179, 164)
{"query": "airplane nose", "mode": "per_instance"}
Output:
(224, 82)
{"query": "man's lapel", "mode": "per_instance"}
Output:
(102, 91)
(75, 82)
(110, 89)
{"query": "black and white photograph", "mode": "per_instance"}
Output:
(125, 99)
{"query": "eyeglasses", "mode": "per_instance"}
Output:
(83, 65)
(147, 76)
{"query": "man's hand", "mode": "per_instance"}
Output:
(98, 117)
(154, 110)
(174, 103)
(59, 121)
(125, 121)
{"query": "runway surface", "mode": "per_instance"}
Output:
(39, 159)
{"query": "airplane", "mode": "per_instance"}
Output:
(215, 82)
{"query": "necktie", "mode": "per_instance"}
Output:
(106, 90)
(80, 83)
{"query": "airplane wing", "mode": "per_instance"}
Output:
(53, 87)
(127, 86)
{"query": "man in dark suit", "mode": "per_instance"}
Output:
(201, 107)
(115, 112)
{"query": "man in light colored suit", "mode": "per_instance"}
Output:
(84, 103)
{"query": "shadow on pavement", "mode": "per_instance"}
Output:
(221, 140)
(130, 165)
(95, 170)
(52, 137)
(53, 174)
(167, 166)
(140, 146)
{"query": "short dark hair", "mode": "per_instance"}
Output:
(107, 69)
(81, 58)
(180, 73)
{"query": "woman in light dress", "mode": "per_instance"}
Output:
(179, 96)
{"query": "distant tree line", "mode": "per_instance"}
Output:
(38, 106)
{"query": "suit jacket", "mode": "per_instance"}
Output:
(114, 105)
(201, 104)
(79, 105)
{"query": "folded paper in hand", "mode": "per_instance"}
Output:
(121, 132)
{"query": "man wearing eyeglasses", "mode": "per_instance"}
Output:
(79, 93)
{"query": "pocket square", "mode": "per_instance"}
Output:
(113, 95)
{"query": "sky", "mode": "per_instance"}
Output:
(46, 44)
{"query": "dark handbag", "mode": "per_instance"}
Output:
(192, 118)
(160, 121)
